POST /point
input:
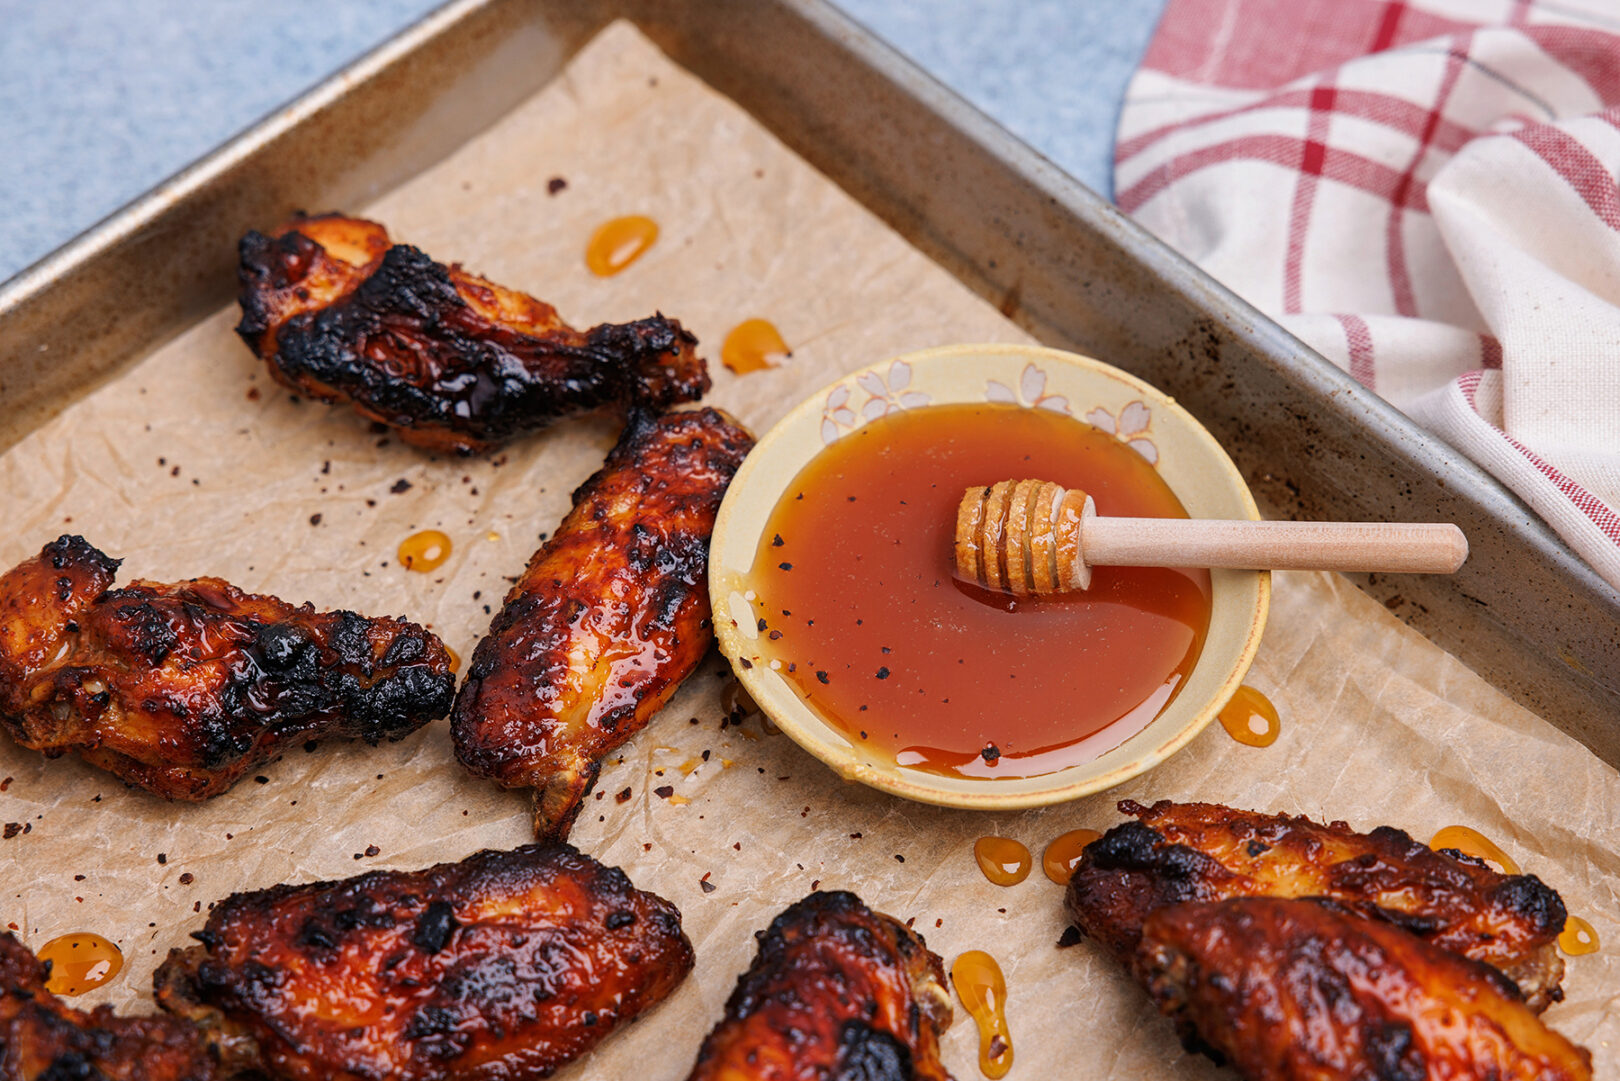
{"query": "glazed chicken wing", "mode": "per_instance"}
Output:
(501, 967)
(608, 619)
(1296, 990)
(1179, 852)
(837, 992)
(182, 689)
(44, 1039)
(453, 362)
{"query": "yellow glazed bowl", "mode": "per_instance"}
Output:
(1186, 456)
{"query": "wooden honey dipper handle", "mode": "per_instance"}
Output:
(1036, 537)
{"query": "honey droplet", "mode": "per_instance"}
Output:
(983, 991)
(80, 962)
(1004, 861)
(678, 801)
(1060, 857)
(690, 766)
(1578, 937)
(424, 551)
(1470, 842)
(751, 344)
(618, 243)
(1251, 719)
(455, 659)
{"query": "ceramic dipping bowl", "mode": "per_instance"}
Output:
(1185, 455)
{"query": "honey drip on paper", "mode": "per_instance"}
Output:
(1004, 861)
(1251, 719)
(1470, 842)
(618, 243)
(750, 345)
(1578, 937)
(983, 991)
(1060, 857)
(424, 551)
(455, 659)
(80, 962)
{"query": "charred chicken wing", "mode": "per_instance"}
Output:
(1179, 852)
(608, 619)
(837, 992)
(452, 361)
(503, 966)
(43, 1039)
(181, 689)
(1290, 990)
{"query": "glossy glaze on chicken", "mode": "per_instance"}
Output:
(182, 689)
(505, 966)
(610, 617)
(44, 1039)
(1177, 852)
(448, 359)
(837, 992)
(1300, 990)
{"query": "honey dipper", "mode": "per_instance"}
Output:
(1036, 537)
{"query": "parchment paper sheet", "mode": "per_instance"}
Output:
(177, 469)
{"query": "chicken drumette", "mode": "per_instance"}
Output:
(450, 360)
(182, 689)
(837, 992)
(44, 1039)
(503, 966)
(608, 619)
(1301, 990)
(1179, 852)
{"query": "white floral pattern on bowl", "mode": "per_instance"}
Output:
(1031, 392)
(1130, 428)
(885, 394)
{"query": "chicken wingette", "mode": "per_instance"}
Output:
(608, 619)
(449, 360)
(1177, 852)
(44, 1039)
(503, 966)
(837, 992)
(1300, 990)
(182, 689)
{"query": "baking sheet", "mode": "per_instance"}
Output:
(193, 463)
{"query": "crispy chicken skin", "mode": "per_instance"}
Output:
(44, 1039)
(1179, 852)
(182, 689)
(837, 992)
(1290, 990)
(608, 619)
(452, 361)
(502, 967)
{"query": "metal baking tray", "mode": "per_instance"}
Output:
(1524, 612)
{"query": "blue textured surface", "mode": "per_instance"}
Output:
(102, 99)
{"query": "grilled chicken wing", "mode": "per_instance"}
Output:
(608, 619)
(452, 361)
(837, 992)
(44, 1039)
(503, 966)
(181, 689)
(1179, 852)
(1290, 990)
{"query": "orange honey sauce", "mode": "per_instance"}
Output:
(750, 346)
(1250, 718)
(424, 551)
(1062, 854)
(1004, 861)
(983, 991)
(618, 243)
(859, 607)
(80, 962)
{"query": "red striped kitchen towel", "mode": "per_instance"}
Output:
(1423, 190)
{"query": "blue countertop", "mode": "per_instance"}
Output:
(102, 99)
